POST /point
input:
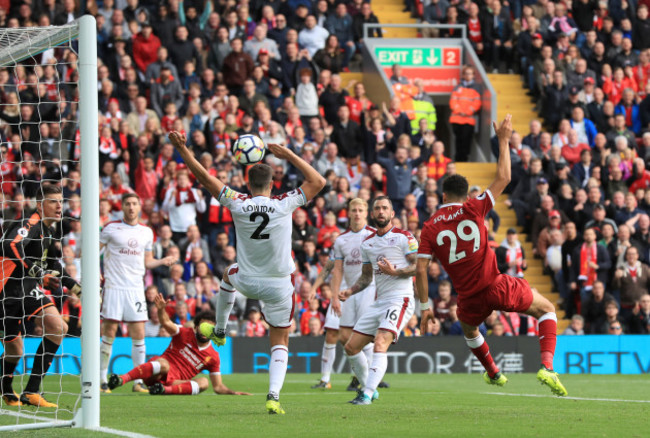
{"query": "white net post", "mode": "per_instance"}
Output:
(88, 123)
(31, 50)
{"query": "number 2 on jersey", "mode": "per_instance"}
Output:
(257, 234)
(474, 235)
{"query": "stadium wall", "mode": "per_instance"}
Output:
(595, 354)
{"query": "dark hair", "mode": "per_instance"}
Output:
(46, 190)
(455, 186)
(208, 315)
(382, 198)
(259, 176)
(130, 195)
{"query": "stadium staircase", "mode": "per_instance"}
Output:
(390, 12)
(482, 174)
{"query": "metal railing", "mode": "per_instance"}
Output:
(461, 27)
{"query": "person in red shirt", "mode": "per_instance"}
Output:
(115, 191)
(145, 47)
(174, 372)
(456, 235)
(310, 313)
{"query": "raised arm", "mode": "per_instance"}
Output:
(314, 182)
(504, 132)
(212, 184)
(165, 322)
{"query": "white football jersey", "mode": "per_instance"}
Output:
(124, 254)
(347, 247)
(393, 246)
(263, 227)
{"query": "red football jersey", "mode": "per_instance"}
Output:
(457, 236)
(187, 358)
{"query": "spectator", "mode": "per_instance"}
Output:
(591, 263)
(365, 16)
(253, 46)
(465, 102)
(307, 315)
(451, 326)
(330, 57)
(145, 48)
(576, 327)
(313, 36)
(498, 34)
(315, 327)
(443, 302)
(339, 25)
(237, 67)
(514, 257)
(633, 281)
(182, 49)
(640, 319)
(611, 323)
(182, 203)
(411, 329)
(434, 13)
(166, 89)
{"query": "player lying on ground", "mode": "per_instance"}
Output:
(389, 254)
(345, 265)
(173, 373)
(264, 268)
(456, 235)
(29, 264)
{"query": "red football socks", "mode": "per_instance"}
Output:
(547, 341)
(140, 372)
(482, 353)
(184, 388)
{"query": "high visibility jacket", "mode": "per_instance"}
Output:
(437, 167)
(464, 103)
(423, 109)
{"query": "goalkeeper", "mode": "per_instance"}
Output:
(29, 266)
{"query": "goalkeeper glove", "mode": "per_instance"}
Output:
(76, 290)
(51, 280)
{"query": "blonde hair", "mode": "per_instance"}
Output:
(358, 201)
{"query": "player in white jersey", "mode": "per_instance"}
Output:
(345, 265)
(128, 254)
(390, 254)
(264, 268)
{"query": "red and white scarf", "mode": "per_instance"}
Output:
(587, 273)
(633, 271)
(514, 254)
(189, 199)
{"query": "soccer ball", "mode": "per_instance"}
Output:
(248, 149)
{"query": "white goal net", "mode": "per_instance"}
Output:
(47, 112)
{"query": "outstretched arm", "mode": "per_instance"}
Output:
(313, 183)
(211, 183)
(504, 132)
(220, 388)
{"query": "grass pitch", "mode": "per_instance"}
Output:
(459, 405)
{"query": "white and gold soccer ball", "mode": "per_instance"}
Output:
(248, 149)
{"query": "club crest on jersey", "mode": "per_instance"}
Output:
(381, 258)
(392, 241)
(133, 243)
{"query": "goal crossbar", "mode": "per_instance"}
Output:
(18, 44)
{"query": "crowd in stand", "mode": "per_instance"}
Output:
(217, 70)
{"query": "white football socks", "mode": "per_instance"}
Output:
(375, 373)
(368, 351)
(195, 387)
(225, 302)
(327, 361)
(359, 366)
(105, 349)
(138, 355)
(278, 368)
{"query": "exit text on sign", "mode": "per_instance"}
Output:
(409, 57)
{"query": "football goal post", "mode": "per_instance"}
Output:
(49, 134)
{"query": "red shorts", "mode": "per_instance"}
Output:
(166, 379)
(506, 293)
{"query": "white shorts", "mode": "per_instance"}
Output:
(274, 293)
(390, 315)
(126, 305)
(351, 310)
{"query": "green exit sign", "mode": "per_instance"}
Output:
(423, 57)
